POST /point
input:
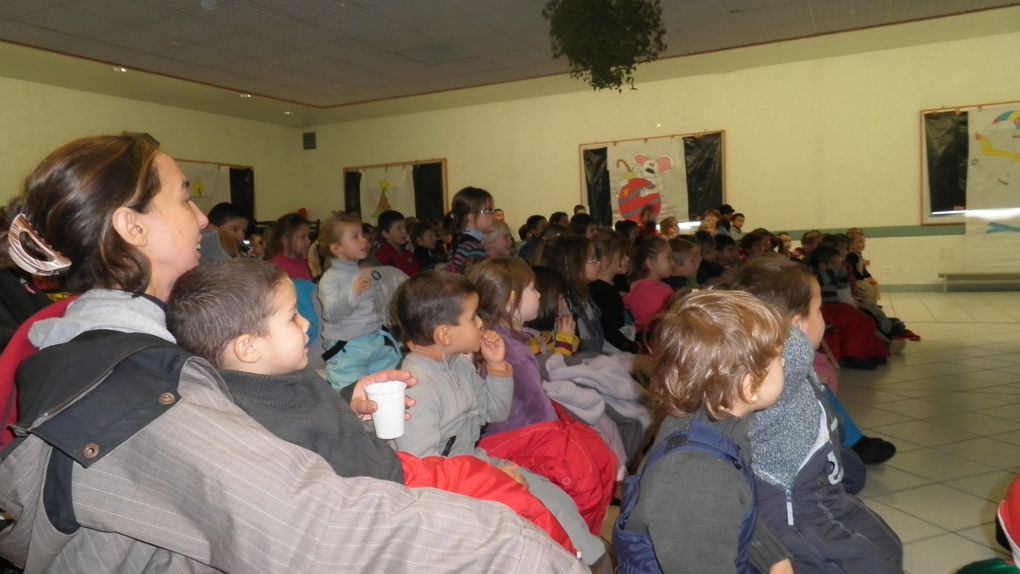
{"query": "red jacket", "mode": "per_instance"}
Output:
(17, 350)
(475, 478)
(401, 259)
(570, 454)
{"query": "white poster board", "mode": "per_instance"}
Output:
(210, 183)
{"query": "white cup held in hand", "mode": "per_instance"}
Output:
(389, 417)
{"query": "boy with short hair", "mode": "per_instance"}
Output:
(393, 247)
(718, 359)
(436, 314)
(256, 339)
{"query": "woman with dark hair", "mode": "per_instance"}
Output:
(134, 457)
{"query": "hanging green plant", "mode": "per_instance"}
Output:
(605, 40)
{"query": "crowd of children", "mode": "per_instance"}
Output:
(540, 375)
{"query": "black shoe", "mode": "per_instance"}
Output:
(874, 450)
(862, 364)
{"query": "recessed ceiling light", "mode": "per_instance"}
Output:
(288, 113)
(208, 4)
(119, 69)
(245, 95)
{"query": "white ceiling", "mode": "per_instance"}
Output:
(328, 53)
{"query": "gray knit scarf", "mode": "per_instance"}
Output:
(782, 436)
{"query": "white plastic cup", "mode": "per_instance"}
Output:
(389, 417)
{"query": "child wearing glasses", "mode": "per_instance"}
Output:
(471, 216)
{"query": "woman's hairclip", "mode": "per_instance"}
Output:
(54, 264)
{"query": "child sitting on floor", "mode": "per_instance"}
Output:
(355, 342)
(553, 329)
(257, 340)
(686, 262)
(611, 249)
(393, 247)
(437, 315)
(693, 508)
(803, 476)
(649, 294)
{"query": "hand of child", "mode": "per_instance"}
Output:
(565, 324)
(493, 348)
(362, 284)
(784, 567)
(513, 472)
(363, 407)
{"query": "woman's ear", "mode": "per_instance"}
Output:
(129, 226)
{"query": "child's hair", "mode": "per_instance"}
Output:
(609, 243)
(551, 286)
(559, 218)
(823, 254)
(624, 227)
(580, 223)
(706, 239)
(224, 212)
(579, 208)
(810, 237)
(838, 240)
(388, 218)
(499, 230)
(723, 241)
(682, 247)
(419, 229)
(749, 240)
(214, 304)
(736, 215)
(706, 345)
(644, 249)
(854, 232)
(284, 227)
(70, 198)
(776, 280)
(533, 223)
(465, 202)
(426, 302)
(569, 255)
(496, 280)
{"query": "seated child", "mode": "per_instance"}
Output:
(437, 317)
(649, 294)
(686, 262)
(393, 247)
(803, 476)
(470, 218)
(808, 241)
(692, 507)
(710, 267)
(498, 241)
(255, 338)
(427, 248)
(355, 342)
(553, 329)
(727, 252)
(574, 257)
(287, 245)
(854, 341)
(611, 249)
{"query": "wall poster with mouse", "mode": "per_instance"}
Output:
(679, 175)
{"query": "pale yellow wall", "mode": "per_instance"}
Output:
(37, 118)
(829, 143)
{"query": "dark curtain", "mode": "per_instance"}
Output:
(947, 148)
(596, 176)
(428, 191)
(703, 156)
(242, 190)
(352, 191)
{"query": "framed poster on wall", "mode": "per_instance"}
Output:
(679, 175)
(213, 183)
(414, 188)
(970, 160)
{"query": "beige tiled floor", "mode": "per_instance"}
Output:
(951, 403)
